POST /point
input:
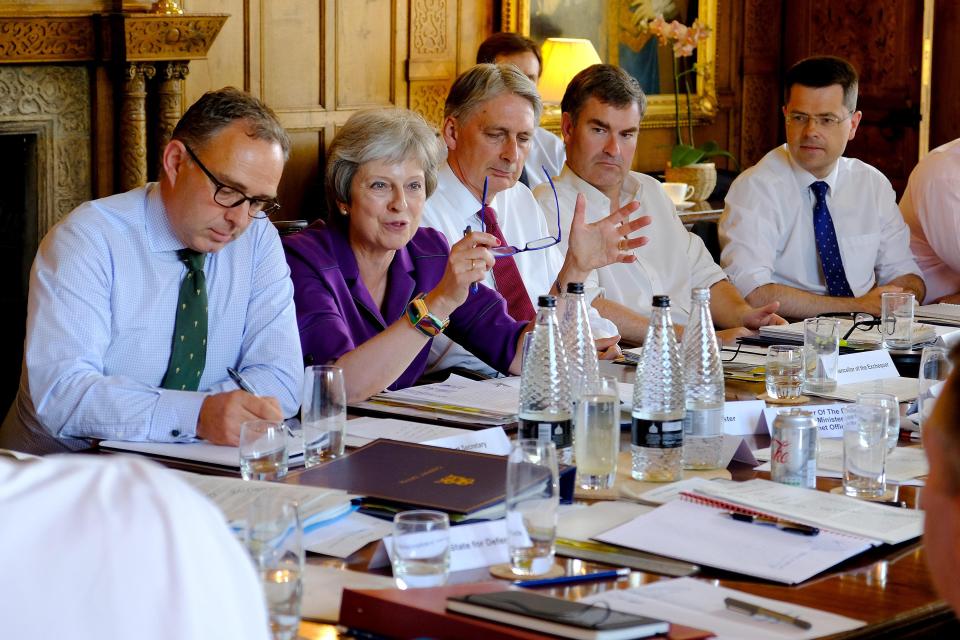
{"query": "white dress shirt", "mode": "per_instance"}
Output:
(766, 230)
(116, 547)
(672, 263)
(546, 150)
(931, 208)
(452, 208)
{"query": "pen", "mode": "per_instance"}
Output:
(475, 286)
(582, 577)
(243, 384)
(785, 525)
(749, 609)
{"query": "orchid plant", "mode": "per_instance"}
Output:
(683, 40)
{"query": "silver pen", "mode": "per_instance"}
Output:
(246, 386)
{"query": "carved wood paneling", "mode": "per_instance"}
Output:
(428, 34)
(41, 39)
(169, 108)
(133, 125)
(54, 103)
(427, 99)
(149, 37)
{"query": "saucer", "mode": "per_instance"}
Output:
(683, 206)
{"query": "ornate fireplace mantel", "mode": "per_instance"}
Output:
(147, 57)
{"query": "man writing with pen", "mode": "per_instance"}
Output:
(140, 301)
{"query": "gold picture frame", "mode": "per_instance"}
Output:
(661, 107)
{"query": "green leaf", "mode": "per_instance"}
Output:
(684, 154)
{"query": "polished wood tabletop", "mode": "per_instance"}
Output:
(888, 587)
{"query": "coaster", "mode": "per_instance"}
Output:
(504, 571)
(783, 401)
(892, 494)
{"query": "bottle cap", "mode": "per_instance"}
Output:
(574, 287)
(700, 293)
(661, 301)
(547, 302)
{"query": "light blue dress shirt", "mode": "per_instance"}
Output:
(103, 296)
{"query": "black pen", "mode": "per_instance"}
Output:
(579, 577)
(243, 384)
(475, 286)
(785, 525)
(750, 609)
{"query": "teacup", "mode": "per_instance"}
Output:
(679, 192)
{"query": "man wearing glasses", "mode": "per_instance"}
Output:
(489, 118)
(805, 226)
(140, 301)
(602, 108)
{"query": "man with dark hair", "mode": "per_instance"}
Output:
(602, 109)
(140, 301)
(808, 227)
(546, 149)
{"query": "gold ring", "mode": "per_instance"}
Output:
(473, 264)
(622, 245)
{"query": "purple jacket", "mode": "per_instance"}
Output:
(335, 313)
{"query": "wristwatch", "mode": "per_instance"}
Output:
(424, 321)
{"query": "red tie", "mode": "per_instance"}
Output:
(507, 276)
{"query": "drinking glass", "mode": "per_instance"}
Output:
(421, 549)
(274, 538)
(935, 368)
(865, 450)
(533, 496)
(324, 414)
(597, 434)
(821, 339)
(784, 371)
(896, 320)
(263, 450)
(889, 401)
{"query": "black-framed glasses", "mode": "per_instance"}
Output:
(828, 121)
(533, 245)
(227, 196)
(861, 320)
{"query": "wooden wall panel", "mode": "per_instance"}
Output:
(365, 80)
(224, 63)
(290, 76)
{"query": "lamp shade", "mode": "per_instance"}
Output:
(563, 58)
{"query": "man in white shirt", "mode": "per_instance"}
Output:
(113, 548)
(489, 118)
(602, 108)
(807, 227)
(931, 208)
(546, 149)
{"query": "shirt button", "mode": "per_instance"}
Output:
(175, 433)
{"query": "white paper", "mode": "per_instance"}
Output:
(199, 451)
(472, 545)
(829, 418)
(701, 604)
(905, 389)
(820, 509)
(865, 366)
(583, 524)
(859, 337)
(323, 589)
(493, 441)
(361, 431)
(343, 537)
(671, 490)
(742, 417)
(705, 535)
(489, 396)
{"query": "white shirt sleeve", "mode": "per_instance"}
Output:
(894, 259)
(749, 232)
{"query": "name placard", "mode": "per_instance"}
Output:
(742, 417)
(829, 418)
(493, 441)
(472, 545)
(865, 366)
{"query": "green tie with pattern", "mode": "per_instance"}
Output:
(189, 352)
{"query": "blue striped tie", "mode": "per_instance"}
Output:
(827, 247)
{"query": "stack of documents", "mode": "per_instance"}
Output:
(859, 339)
(941, 313)
(745, 363)
(202, 452)
(457, 399)
(698, 528)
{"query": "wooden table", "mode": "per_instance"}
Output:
(888, 587)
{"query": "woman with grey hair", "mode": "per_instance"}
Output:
(371, 287)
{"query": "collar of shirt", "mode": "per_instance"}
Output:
(467, 205)
(160, 235)
(805, 178)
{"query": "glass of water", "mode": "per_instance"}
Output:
(421, 549)
(896, 320)
(533, 496)
(323, 416)
(263, 450)
(821, 339)
(274, 538)
(597, 435)
(865, 450)
(784, 371)
(889, 401)
(935, 368)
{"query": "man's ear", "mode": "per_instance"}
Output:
(174, 156)
(566, 127)
(854, 123)
(450, 131)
